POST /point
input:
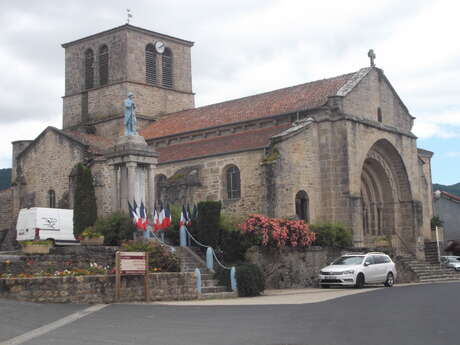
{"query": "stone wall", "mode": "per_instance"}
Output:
(291, 268)
(295, 170)
(374, 92)
(99, 289)
(127, 72)
(6, 202)
(47, 165)
(7, 231)
(299, 268)
(211, 172)
(59, 259)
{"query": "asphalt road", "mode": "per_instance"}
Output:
(417, 314)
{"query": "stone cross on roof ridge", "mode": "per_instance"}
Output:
(372, 56)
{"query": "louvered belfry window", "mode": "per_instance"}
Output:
(150, 64)
(167, 64)
(103, 65)
(233, 183)
(89, 69)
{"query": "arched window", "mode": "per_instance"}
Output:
(379, 114)
(233, 182)
(103, 65)
(160, 187)
(150, 64)
(51, 199)
(89, 69)
(167, 64)
(301, 206)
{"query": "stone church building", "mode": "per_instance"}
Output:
(332, 150)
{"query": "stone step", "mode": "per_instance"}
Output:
(213, 289)
(442, 279)
(433, 272)
(209, 282)
(441, 276)
(218, 295)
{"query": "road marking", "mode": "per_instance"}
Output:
(53, 325)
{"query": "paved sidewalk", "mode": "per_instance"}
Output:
(281, 296)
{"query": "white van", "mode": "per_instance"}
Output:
(46, 224)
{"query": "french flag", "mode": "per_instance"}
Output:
(156, 224)
(142, 222)
(183, 217)
(167, 217)
(133, 213)
(161, 218)
(189, 216)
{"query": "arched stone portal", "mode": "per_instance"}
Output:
(386, 200)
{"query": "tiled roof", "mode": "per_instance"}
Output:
(300, 97)
(245, 141)
(451, 196)
(97, 144)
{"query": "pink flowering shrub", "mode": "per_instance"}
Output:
(277, 232)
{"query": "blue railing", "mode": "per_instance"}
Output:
(185, 241)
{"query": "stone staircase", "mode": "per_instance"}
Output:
(210, 288)
(431, 253)
(428, 272)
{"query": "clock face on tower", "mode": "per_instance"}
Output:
(159, 47)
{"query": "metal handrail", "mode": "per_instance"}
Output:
(205, 246)
(171, 248)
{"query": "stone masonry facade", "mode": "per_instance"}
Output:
(332, 150)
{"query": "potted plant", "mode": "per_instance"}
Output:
(90, 237)
(36, 247)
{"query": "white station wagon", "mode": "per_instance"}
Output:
(359, 269)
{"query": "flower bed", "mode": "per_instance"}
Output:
(277, 232)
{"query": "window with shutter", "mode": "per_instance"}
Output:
(150, 64)
(167, 68)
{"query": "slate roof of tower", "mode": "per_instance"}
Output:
(244, 141)
(287, 100)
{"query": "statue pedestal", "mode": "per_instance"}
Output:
(133, 173)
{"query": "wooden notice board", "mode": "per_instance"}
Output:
(131, 263)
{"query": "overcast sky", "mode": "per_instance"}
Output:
(244, 47)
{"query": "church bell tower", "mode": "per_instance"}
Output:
(102, 68)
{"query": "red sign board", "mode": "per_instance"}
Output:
(132, 263)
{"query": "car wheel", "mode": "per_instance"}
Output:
(390, 280)
(360, 281)
(323, 286)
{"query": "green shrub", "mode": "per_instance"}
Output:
(206, 227)
(332, 235)
(436, 222)
(161, 259)
(172, 232)
(222, 275)
(233, 246)
(116, 228)
(250, 280)
(85, 207)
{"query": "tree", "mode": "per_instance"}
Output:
(436, 222)
(85, 207)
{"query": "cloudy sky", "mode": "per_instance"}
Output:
(244, 47)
